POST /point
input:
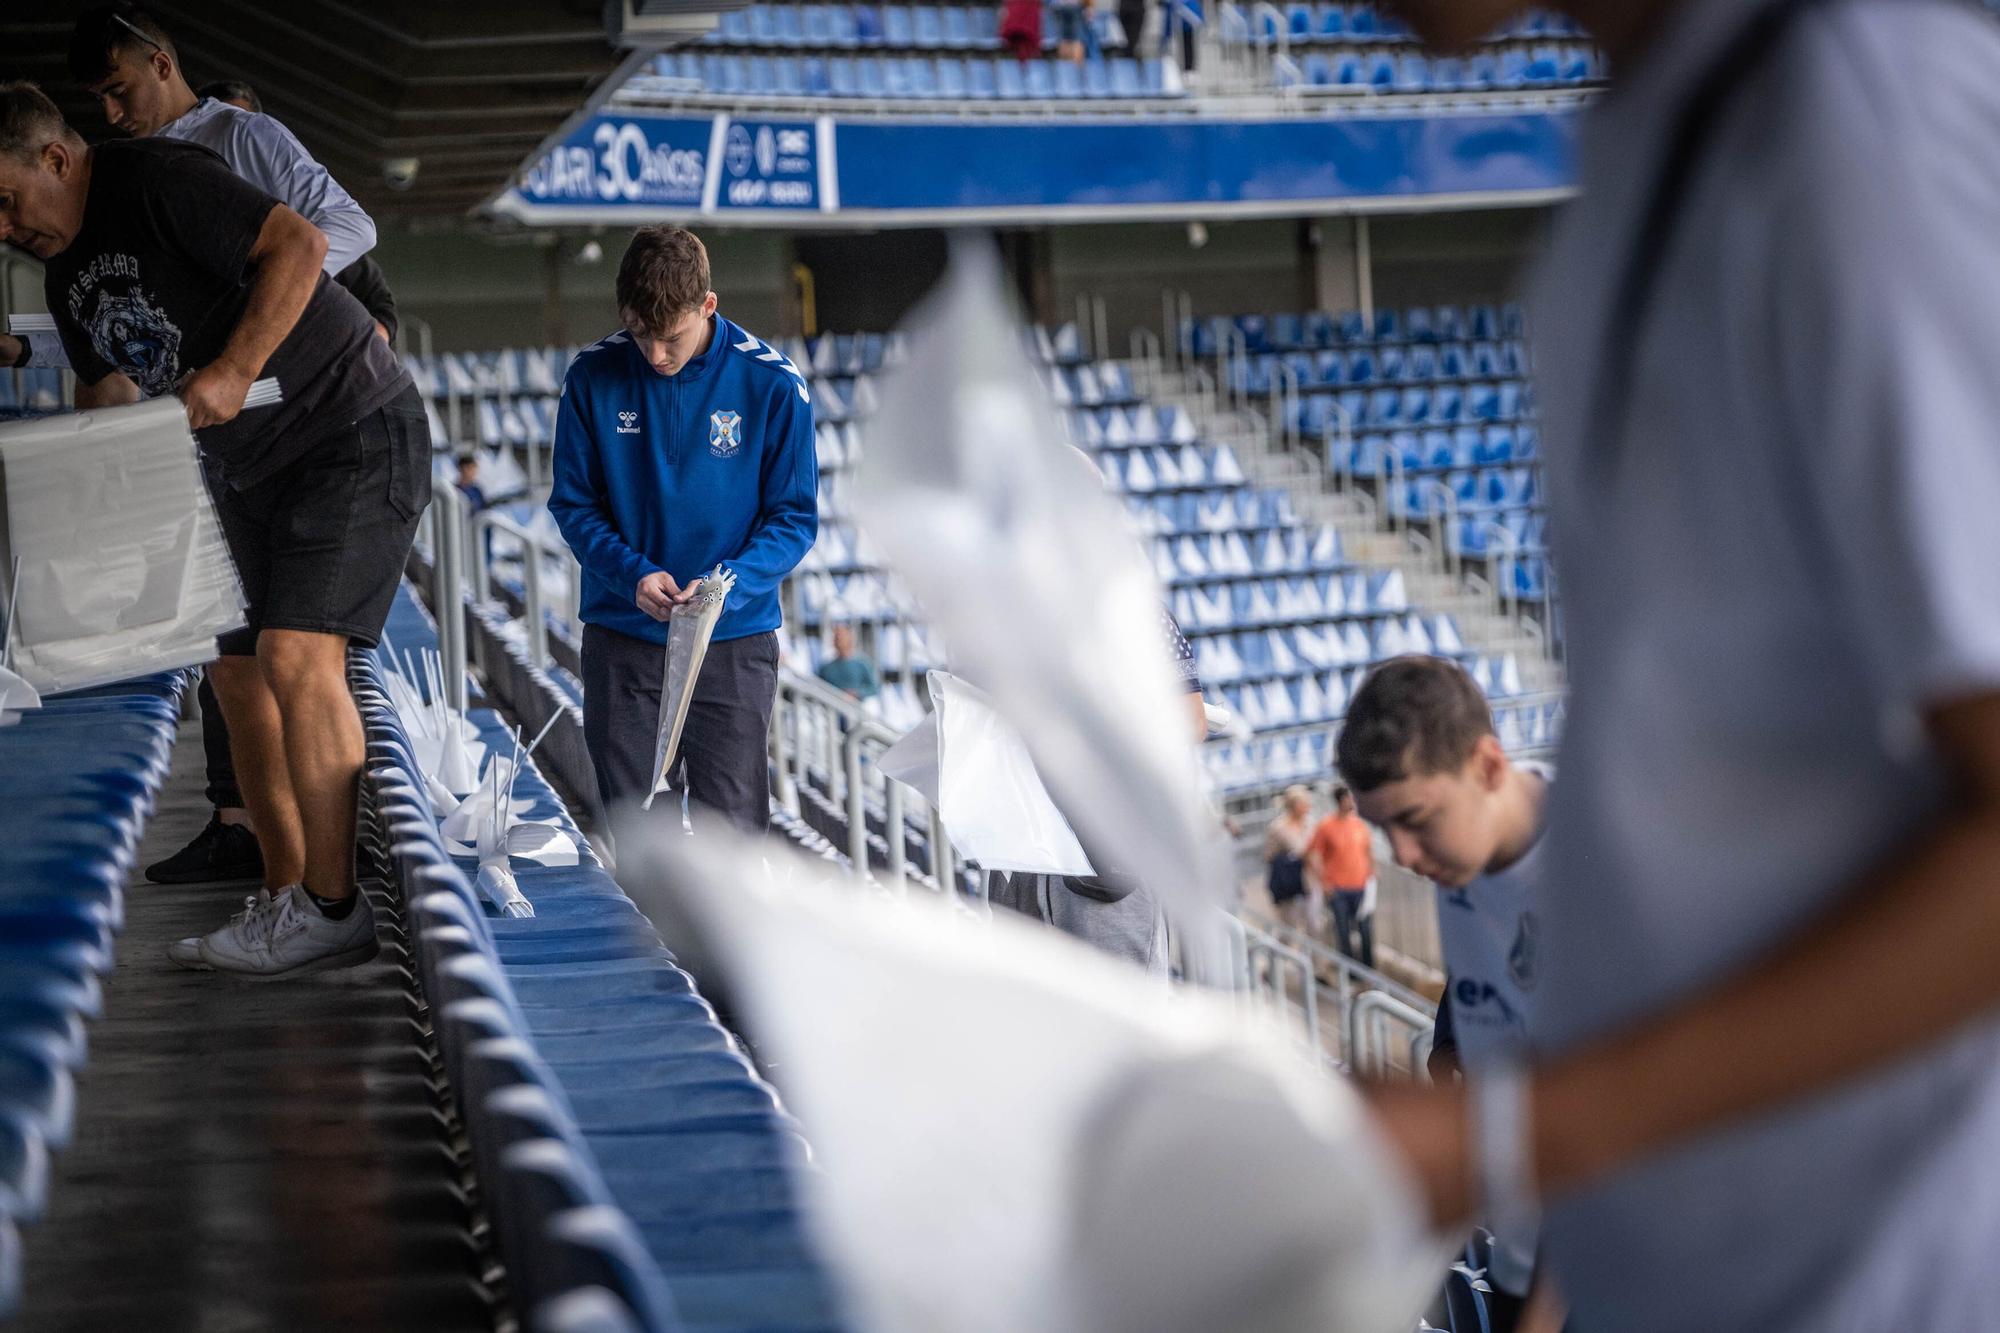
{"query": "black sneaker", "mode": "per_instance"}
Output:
(219, 852)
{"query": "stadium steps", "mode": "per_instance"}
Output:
(1366, 535)
(250, 1156)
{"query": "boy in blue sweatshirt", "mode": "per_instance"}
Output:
(682, 442)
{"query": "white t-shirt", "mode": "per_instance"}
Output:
(1798, 550)
(262, 151)
(1489, 931)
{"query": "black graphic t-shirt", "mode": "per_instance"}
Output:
(157, 280)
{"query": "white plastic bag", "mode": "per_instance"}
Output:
(1034, 576)
(983, 782)
(689, 629)
(1016, 1133)
(123, 567)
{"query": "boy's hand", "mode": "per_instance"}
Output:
(657, 594)
(214, 394)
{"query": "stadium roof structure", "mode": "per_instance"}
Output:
(468, 90)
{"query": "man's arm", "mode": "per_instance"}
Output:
(1925, 928)
(285, 267)
(577, 494)
(114, 390)
(788, 511)
(270, 156)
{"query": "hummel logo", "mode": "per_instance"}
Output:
(627, 423)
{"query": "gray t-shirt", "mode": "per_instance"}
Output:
(268, 155)
(1796, 553)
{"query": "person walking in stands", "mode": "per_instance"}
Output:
(1070, 18)
(682, 443)
(1340, 862)
(1764, 1092)
(1285, 843)
(1021, 29)
(847, 670)
(1419, 748)
(129, 62)
(169, 273)
(364, 277)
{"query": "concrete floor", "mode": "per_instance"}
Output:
(249, 1156)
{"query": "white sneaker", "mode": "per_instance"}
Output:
(187, 952)
(290, 937)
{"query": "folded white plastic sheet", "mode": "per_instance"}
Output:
(1017, 1133)
(689, 629)
(969, 763)
(123, 567)
(1034, 576)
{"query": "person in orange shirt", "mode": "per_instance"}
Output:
(1341, 861)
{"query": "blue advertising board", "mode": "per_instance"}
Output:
(875, 171)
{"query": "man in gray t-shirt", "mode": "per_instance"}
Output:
(1767, 1094)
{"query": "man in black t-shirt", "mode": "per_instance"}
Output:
(168, 273)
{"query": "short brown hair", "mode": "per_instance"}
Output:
(1412, 717)
(663, 275)
(30, 122)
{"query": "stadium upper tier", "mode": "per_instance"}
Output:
(952, 52)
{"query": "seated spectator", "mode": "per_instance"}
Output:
(848, 670)
(468, 482)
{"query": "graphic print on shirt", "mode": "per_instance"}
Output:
(1521, 955)
(124, 326)
(628, 423)
(725, 433)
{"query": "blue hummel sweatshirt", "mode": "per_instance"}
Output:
(712, 465)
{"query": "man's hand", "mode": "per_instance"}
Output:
(214, 394)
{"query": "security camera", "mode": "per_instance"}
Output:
(400, 172)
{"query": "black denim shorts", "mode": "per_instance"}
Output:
(320, 544)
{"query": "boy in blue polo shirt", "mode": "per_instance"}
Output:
(682, 443)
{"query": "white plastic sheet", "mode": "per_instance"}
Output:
(1018, 1134)
(1045, 595)
(974, 767)
(689, 628)
(123, 568)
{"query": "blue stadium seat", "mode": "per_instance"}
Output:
(980, 84)
(763, 77)
(1361, 24)
(1155, 72)
(1299, 18)
(1448, 75)
(1331, 25)
(1413, 74)
(817, 81)
(871, 77)
(735, 76)
(816, 25)
(1009, 81)
(1042, 80)
(840, 29)
(790, 76)
(763, 25)
(841, 80)
(1126, 80)
(926, 27)
(895, 84)
(732, 26)
(986, 27)
(1096, 79)
(950, 76)
(920, 77)
(868, 25)
(897, 28)
(1069, 79)
(1382, 72)
(957, 27)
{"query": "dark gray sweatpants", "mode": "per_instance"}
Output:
(724, 763)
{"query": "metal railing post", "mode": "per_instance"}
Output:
(857, 808)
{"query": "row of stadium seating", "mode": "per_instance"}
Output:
(925, 78)
(1367, 365)
(1543, 67)
(78, 778)
(1318, 414)
(36, 390)
(634, 1166)
(956, 27)
(1313, 330)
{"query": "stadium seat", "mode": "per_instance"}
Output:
(950, 78)
(926, 27)
(898, 28)
(980, 82)
(868, 29)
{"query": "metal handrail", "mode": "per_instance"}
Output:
(1368, 1023)
(533, 546)
(446, 517)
